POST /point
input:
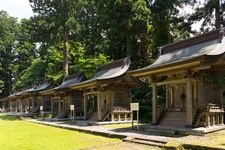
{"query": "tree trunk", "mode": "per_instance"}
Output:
(128, 43)
(217, 14)
(144, 50)
(65, 55)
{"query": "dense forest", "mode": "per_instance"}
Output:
(66, 36)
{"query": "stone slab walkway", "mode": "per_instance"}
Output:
(101, 130)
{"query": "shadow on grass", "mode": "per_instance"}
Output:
(143, 132)
(8, 118)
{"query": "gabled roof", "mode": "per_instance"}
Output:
(70, 80)
(31, 90)
(186, 51)
(42, 87)
(109, 71)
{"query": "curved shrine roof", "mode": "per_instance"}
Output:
(70, 80)
(109, 71)
(202, 46)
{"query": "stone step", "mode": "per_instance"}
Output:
(152, 142)
(161, 131)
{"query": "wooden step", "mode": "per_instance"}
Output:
(174, 119)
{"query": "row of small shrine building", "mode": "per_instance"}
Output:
(187, 70)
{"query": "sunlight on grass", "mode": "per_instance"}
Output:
(16, 134)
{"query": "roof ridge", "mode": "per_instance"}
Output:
(214, 34)
(73, 76)
(124, 60)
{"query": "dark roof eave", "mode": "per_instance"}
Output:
(83, 85)
(162, 68)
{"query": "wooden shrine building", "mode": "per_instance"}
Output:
(107, 95)
(62, 97)
(27, 101)
(189, 72)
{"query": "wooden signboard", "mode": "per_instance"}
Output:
(134, 106)
(41, 108)
(71, 107)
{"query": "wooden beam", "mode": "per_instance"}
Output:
(92, 93)
(171, 82)
(159, 70)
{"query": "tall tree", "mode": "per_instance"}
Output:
(211, 13)
(125, 25)
(25, 50)
(167, 22)
(56, 21)
(8, 33)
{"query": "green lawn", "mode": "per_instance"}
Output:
(16, 134)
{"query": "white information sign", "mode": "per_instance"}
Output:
(41, 108)
(71, 107)
(134, 106)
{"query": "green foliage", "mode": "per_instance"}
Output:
(1, 86)
(219, 80)
(168, 25)
(87, 34)
(77, 62)
(8, 35)
(126, 25)
(33, 74)
(87, 65)
(143, 97)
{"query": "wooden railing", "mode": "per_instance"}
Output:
(161, 110)
(209, 115)
(121, 114)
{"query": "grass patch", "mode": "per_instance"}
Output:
(17, 134)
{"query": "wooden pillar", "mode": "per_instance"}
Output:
(154, 103)
(113, 96)
(52, 107)
(99, 107)
(222, 121)
(213, 119)
(32, 103)
(167, 96)
(200, 91)
(20, 106)
(207, 120)
(10, 106)
(59, 106)
(112, 117)
(85, 106)
(189, 117)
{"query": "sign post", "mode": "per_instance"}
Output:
(72, 112)
(135, 107)
(42, 112)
